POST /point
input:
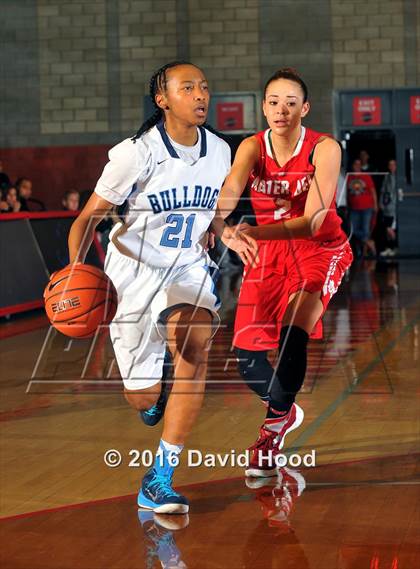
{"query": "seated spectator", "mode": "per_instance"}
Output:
(4, 206)
(4, 178)
(388, 196)
(71, 200)
(24, 188)
(362, 205)
(10, 202)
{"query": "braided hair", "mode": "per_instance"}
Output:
(157, 83)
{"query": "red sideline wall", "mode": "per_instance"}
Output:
(55, 169)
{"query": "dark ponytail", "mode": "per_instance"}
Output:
(157, 83)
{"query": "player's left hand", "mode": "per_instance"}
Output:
(246, 229)
(244, 245)
(211, 241)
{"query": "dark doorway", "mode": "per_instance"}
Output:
(379, 144)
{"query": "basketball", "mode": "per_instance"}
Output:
(78, 299)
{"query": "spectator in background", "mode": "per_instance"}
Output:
(365, 164)
(10, 202)
(388, 196)
(370, 168)
(24, 188)
(4, 206)
(4, 179)
(71, 200)
(362, 205)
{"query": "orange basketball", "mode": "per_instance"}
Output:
(78, 299)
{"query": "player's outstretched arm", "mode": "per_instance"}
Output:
(327, 160)
(245, 159)
(82, 230)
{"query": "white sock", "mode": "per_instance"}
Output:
(177, 449)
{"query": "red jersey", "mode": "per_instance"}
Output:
(279, 193)
(360, 188)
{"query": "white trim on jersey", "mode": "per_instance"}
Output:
(171, 202)
(267, 143)
(298, 146)
(300, 141)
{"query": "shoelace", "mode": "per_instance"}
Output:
(152, 411)
(264, 440)
(162, 486)
(156, 407)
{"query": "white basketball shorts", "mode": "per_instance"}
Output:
(144, 295)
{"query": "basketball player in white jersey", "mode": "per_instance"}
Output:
(171, 173)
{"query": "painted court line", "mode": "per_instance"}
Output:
(299, 442)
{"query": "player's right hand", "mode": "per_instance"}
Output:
(244, 245)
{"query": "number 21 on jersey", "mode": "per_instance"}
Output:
(180, 227)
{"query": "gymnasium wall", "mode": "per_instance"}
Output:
(76, 71)
(375, 43)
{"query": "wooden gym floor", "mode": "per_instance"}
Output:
(62, 408)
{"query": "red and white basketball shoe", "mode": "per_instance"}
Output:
(262, 460)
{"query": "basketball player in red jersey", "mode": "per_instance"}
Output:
(303, 255)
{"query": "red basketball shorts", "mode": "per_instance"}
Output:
(285, 267)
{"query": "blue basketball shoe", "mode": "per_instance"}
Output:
(158, 495)
(152, 416)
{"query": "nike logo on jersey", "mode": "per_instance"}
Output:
(162, 161)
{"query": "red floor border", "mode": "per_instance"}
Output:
(17, 328)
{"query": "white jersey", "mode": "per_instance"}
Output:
(172, 193)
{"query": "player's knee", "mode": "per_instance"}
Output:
(244, 362)
(255, 369)
(141, 401)
(194, 354)
(249, 362)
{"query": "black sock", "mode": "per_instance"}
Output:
(290, 371)
(272, 413)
